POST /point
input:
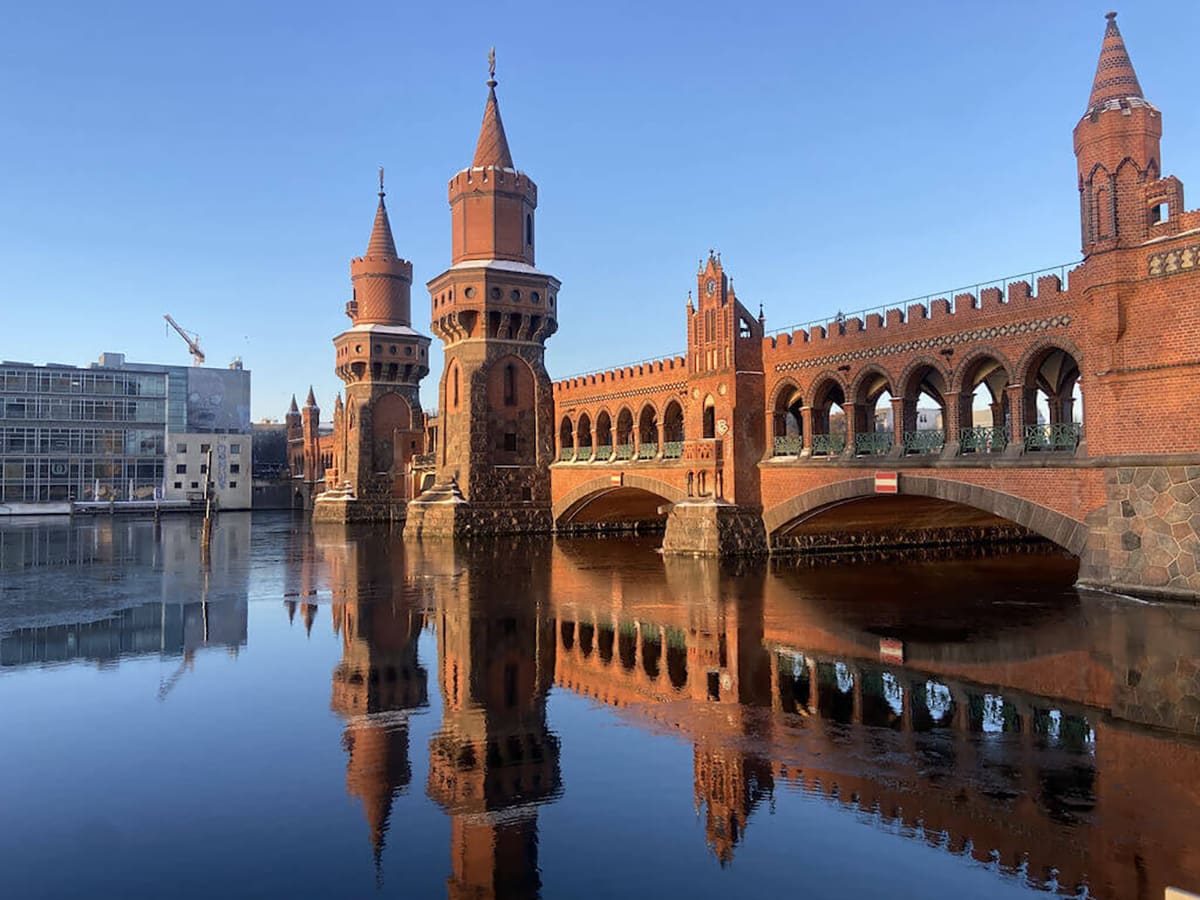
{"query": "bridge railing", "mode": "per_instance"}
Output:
(929, 441)
(786, 445)
(839, 319)
(1063, 436)
(873, 443)
(828, 444)
(983, 439)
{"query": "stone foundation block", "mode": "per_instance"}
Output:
(714, 528)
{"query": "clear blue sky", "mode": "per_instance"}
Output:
(217, 160)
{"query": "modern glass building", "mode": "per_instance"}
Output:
(110, 431)
(68, 433)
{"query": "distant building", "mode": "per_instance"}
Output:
(117, 430)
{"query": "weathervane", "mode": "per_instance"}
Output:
(492, 65)
(381, 181)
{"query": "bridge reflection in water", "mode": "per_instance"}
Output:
(979, 706)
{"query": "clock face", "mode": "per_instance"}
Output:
(711, 287)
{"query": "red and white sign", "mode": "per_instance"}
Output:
(887, 483)
(617, 479)
(891, 650)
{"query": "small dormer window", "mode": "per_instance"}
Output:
(1160, 212)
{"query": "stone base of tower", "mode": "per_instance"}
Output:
(1143, 540)
(342, 507)
(714, 528)
(443, 512)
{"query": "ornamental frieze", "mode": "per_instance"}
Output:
(963, 337)
(1171, 261)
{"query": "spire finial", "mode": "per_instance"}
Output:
(381, 182)
(492, 148)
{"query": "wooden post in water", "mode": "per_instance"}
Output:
(206, 530)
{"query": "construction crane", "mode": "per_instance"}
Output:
(192, 340)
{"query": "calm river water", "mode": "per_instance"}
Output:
(333, 713)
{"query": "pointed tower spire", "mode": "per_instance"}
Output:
(1115, 79)
(381, 243)
(492, 148)
(312, 399)
(293, 408)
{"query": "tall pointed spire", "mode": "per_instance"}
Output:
(1115, 80)
(492, 148)
(381, 243)
(312, 399)
(293, 408)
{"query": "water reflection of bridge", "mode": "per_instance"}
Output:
(1019, 745)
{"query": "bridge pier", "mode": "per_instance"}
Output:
(1144, 539)
(712, 527)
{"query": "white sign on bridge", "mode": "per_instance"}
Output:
(887, 483)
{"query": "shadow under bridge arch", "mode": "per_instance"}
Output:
(628, 502)
(853, 505)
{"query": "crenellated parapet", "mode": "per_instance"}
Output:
(495, 179)
(951, 314)
(604, 380)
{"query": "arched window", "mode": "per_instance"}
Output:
(454, 387)
(529, 229)
(710, 417)
(510, 385)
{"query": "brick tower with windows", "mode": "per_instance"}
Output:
(1131, 219)
(493, 310)
(382, 361)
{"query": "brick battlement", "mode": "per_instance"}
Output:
(933, 314)
(400, 266)
(623, 375)
(511, 181)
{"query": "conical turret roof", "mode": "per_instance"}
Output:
(492, 146)
(381, 243)
(312, 399)
(293, 408)
(1115, 78)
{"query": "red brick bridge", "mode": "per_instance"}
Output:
(1059, 401)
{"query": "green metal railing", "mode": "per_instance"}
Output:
(786, 445)
(982, 439)
(649, 450)
(672, 449)
(873, 443)
(930, 441)
(604, 453)
(828, 444)
(623, 451)
(565, 453)
(584, 454)
(1064, 436)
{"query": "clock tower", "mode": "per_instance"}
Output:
(493, 310)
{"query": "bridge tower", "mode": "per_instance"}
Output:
(724, 428)
(493, 310)
(1117, 151)
(382, 361)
